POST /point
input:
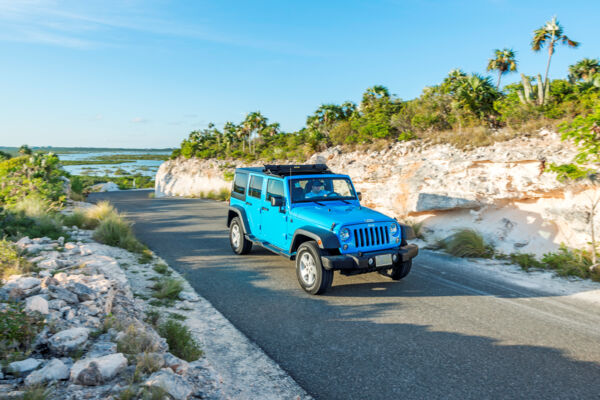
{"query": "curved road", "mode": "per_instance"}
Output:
(441, 333)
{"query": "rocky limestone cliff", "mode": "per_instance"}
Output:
(501, 191)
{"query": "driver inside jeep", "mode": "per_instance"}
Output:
(317, 190)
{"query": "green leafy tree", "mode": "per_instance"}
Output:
(585, 132)
(24, 150)
(504, 62)
(550, 35)
(584, 70)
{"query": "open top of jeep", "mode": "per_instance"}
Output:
(309, 214)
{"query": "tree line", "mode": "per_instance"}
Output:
(462, 104)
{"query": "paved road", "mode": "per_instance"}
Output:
(440, 333)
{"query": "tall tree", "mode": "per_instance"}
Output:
(550, 35)
(254, 123)
(584, 69)
(503, 62)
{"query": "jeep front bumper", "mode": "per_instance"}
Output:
(360, 261)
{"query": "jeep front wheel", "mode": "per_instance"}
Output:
(398, 271)
(313, 278)
(239, 243)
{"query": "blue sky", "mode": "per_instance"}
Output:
(145, 73)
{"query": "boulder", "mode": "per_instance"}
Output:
(83, 292)
(108, 367)
(101, 348)
(36, 303)
(178, 365)
(56, 292)
(90, 375)
(68, 340)
(57, 304)
(173, 384)
(55, 370)
(24, 366)
(22, 282)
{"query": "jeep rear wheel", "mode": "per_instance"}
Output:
(239, 243)
(398, 271)
(313, 278)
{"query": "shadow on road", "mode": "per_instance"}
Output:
(337, 349)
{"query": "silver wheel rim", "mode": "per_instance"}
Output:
(235, 235)
(308, 269)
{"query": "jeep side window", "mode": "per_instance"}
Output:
(274, 189)
(239, 186)
(255, 186)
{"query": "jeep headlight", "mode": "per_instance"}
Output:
(394, 229)
(345, 234)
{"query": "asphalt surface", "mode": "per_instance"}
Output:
(440, 333)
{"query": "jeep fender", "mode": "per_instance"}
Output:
(236, 211)
(408, 233)
(324, 238)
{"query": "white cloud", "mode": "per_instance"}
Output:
(139, 120)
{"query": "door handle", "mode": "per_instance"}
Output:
(264, 209)
(248, 203)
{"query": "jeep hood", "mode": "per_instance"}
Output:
(340, 214)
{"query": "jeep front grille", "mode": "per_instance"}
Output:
(369, 236)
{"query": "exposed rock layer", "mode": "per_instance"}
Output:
(502, 191)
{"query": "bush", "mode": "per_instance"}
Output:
(467, 243)
(134, 342)
(525, 260)
(568, 262)
(17, 331)
(11, 263)
(181, 342)
(168, 288)
(115, 231)
(162, 269)
(16, 225)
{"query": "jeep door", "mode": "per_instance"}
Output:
(254, 201)
(274, 218)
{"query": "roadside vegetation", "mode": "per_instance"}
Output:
(564, 262)
(465, 110)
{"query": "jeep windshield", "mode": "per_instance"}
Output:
(319, 189)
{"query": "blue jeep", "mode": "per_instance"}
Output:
(308, 213)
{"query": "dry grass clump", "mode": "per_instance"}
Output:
(134, 342)
(168, 288)
(467, 243)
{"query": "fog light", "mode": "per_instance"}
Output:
(371, 262)
(345, 247)
(395, 257)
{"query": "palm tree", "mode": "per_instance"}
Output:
(503, 62)
(550, 34)
(584, 70)
(254, 122)
(373, 94)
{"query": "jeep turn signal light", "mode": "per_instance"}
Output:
(320, 242)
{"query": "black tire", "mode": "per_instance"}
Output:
(239, 244)
(398, 271)
(312, 277)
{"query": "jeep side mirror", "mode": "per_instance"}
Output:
(276, 201)
(359, 195)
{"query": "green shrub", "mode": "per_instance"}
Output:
(115, 231)
(134, 342)
(17, 330)
(11, 263)
(566, 262)
(16, 225)
(37, 393)
(162, 269)
(181, 342)
(525, 260)
(168, 288)
(468, 243)
(152, 317)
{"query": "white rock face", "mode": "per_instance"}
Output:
(22, 282)
(68, 340)
(109, 366)
(36, 303)
(189, 177)
(55, 370)
(502, 191)
(171, 383)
